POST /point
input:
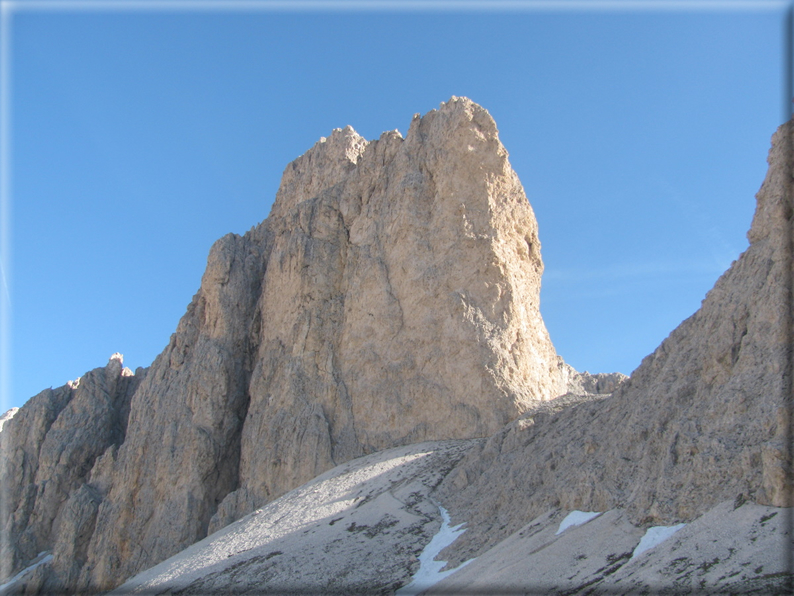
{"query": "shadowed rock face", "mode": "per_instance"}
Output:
(391, 297)
(48, 451)
(704, 419)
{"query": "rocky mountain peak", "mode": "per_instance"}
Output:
(7, 416)
(704, 419)
(321, 167)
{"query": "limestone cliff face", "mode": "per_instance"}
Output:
(401, 294)
(704, 419)
(390, 297)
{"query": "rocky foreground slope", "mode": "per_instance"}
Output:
(373, 526)
(391, 297)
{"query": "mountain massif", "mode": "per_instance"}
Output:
(388, 308)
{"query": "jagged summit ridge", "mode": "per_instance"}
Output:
(327, 162)
(50, 448)
(391, 297)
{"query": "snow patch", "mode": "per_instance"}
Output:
(429, 572)
(576, 518)
(41, 561)
(7, 416)
(655, 536)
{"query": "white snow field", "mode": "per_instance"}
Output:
(655, 536)
(576, 518)
(430, 572)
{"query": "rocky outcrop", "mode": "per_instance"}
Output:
(49, 449)
(391, 297)
(182, 451)
(401, 295)
(704, 419)
(585, 383)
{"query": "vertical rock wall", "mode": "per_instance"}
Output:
(402, 299)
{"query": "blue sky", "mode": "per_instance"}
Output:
(138, 137)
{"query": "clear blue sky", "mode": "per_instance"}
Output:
(140, 137)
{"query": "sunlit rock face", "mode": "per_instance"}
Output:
(401, 294)
(704, 419)
(391, 297)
